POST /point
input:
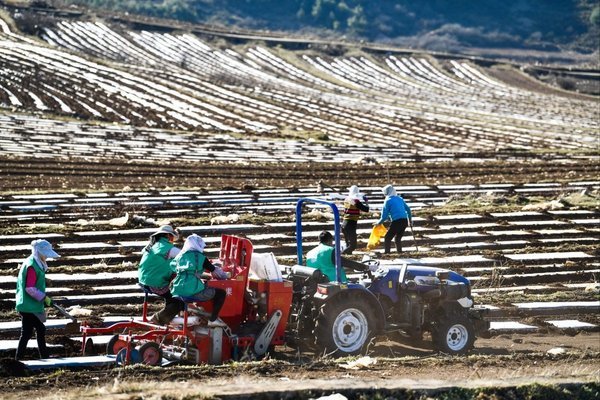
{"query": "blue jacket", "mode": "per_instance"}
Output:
(395, 208)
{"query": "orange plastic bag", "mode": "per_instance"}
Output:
(377, 233)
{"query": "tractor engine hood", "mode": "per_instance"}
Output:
(423, 270)
(394, 273)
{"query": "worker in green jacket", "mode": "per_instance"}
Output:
(155, 274)
(322, 257)
(31, 296)
(189, 266)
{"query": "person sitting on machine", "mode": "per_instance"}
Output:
(322, 258)
(154, 271)
(189, 265)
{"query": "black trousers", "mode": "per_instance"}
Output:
(395, 231)
(171, 308)
(349, 229)
(29, 322)
(218, 302)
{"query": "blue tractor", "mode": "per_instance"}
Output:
(341, 318)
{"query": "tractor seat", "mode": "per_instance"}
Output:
(145, 289)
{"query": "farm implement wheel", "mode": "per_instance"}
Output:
(134, 357)
(88, 348)
(344, 326)
(114, 345)
(454, 335)
(150, 353)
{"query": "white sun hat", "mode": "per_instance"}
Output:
(168, 229)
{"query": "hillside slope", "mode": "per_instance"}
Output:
(100, 70)
(433, 25)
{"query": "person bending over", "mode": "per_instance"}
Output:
(395, 209)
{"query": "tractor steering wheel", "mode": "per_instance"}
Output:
(372, 265)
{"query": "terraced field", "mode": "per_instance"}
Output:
(108, 131)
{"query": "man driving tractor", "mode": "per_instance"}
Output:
(322, 258)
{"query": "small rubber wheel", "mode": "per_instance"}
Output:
(150, 353)
(114, 345)
(88, 348)
(134, 357)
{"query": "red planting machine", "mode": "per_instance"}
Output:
(255, 311)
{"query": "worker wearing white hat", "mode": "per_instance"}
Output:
(189, 266)
(396, 209)
(354, 203)
(154, 271)
(31, 296)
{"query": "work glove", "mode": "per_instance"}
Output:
(373, 267)
(219, 274)
(47, 301)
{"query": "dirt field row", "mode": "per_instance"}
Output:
(501, 368)
(502, 363)
(22, 174)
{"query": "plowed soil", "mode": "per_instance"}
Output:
(567, 365)
(500, 364)
(21, 174)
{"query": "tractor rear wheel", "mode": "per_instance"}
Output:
(454, 335)
(344, 327)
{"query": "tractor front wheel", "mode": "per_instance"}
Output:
(454, 335)
(344, 327)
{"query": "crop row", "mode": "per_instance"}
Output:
(168, 80)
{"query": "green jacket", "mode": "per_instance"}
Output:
(154, 269)
(321, 258)
(26, 303)
(186, 283)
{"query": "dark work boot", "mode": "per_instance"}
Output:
(164, 316)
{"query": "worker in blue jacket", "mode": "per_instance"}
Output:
(395, 209)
